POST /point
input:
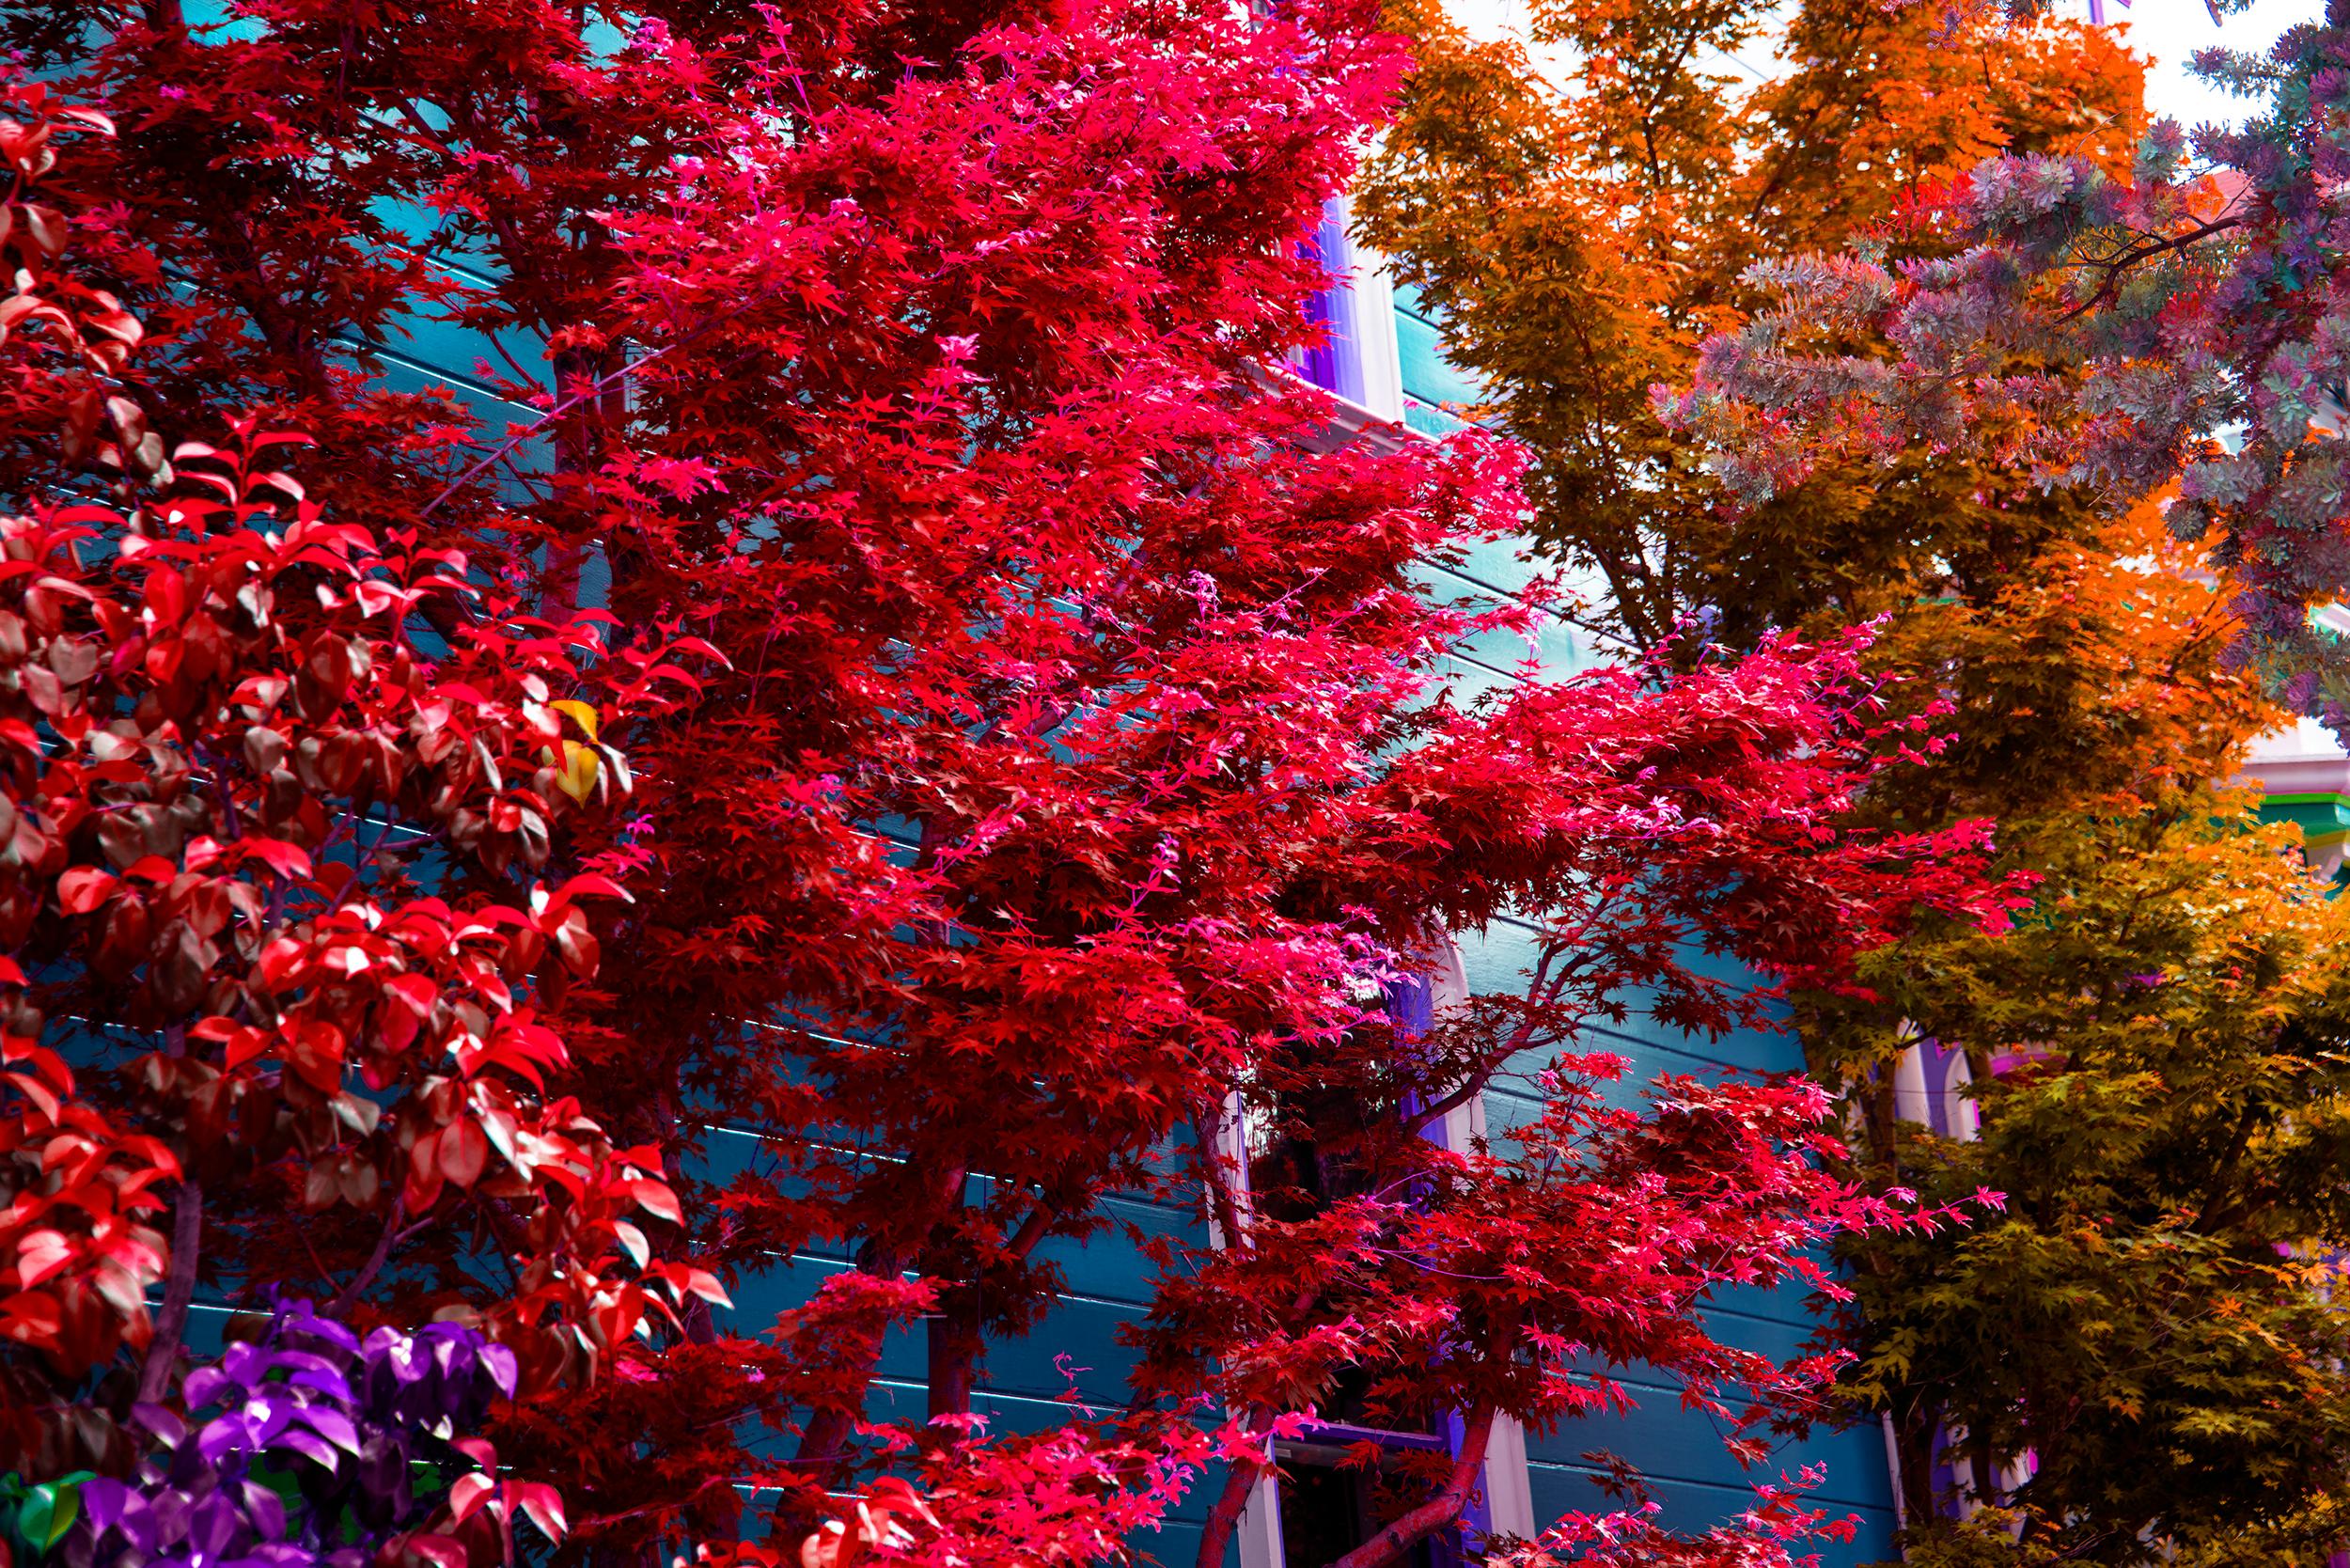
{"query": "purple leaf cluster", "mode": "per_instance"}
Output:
(303, 1447)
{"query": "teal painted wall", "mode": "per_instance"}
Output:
(1696, 1480)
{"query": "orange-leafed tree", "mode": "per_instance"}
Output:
(1581, 237)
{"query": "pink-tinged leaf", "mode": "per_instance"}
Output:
(591, 885)
(656, 1199)
(705, 1285)
(84, 889)
(41, 1255)
(469, 1492)
(442, 1551)
(37, 1091)
(464, 1151)
(287, 860)
(245, 1045)
(416, 992)
(543, 1504)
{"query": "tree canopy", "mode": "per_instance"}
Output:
(2138, 1359)
(868, 728)
(2112, 327)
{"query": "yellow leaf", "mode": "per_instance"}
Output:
(578, 774)
(581, 713)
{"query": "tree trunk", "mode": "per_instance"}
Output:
(1880, 1122)
(955, 1342)
(1913, 1442)
(1216, 1535)
(1417, 1524)
(1984, 1473)
(826, 1437)
(581, 436)
(171, 1321)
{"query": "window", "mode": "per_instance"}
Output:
(1930, 1084)
(1318, 1510)
(1328, 1510)
(1357, 358)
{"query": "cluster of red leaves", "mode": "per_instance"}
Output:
(1512, 1278)
(234, 732)
(1078, 749)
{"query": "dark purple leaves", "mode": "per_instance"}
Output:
(301, 1448)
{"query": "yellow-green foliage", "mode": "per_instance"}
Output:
(2148, 1318)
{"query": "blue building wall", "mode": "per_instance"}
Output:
(1695, 1479)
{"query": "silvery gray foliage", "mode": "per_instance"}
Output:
(2186, 323)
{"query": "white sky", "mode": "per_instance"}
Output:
(2169, 30)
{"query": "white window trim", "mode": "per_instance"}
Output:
(1368, 298)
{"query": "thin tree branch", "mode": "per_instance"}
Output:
(171, 1321)
(349, 1295)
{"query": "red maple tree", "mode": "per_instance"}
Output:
(1069, 755)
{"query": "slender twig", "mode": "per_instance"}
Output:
(171, 1320)
(349, 1295)
(2114, 266)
